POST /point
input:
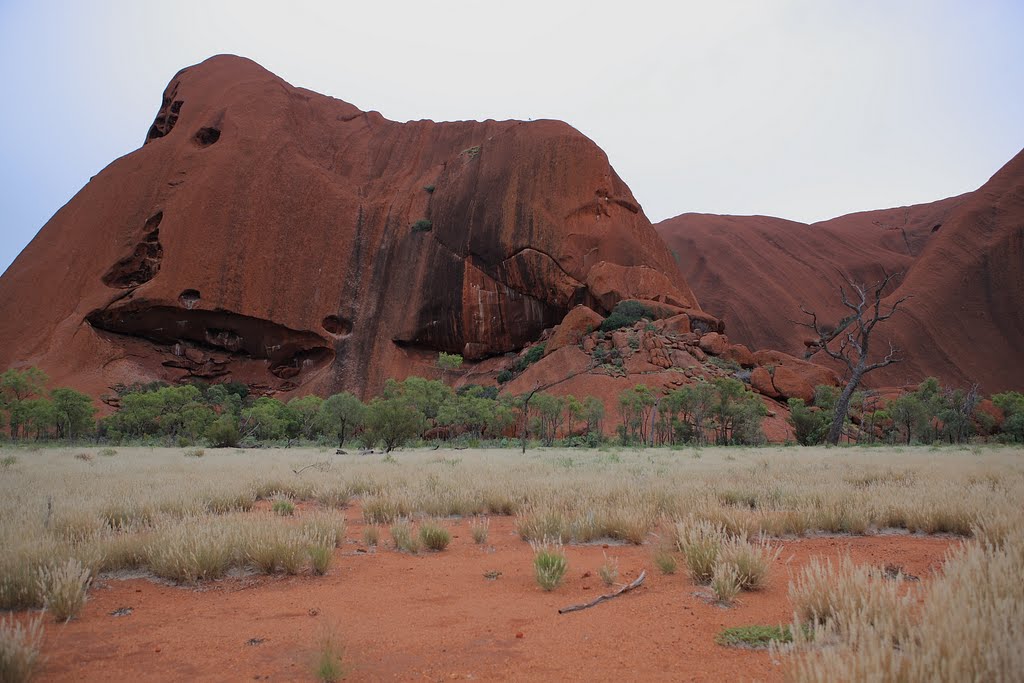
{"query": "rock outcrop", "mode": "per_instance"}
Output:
(963, 260)
(274, 236)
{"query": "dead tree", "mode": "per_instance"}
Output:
(854, 339)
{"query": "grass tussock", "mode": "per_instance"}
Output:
(64, 589)
(480, 528)
(434, 536)
(371, 536)
(549, 564)
(725, 582)
(329, 666)
(404, 537)
(665, 559)
(609, 570)
(968, 625)
(20, 644)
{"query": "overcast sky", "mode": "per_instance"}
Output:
(804, 109)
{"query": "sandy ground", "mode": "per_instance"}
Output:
(435, 617)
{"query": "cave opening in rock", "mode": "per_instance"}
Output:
(207, 136)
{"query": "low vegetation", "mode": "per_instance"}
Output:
(549, 564)
(64, 521)
(754, 637)
(20, 643)
(965, 624)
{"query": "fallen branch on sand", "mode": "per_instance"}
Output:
(625, 589)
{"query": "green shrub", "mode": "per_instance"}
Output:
(505, 376)
(625, 314)
(429, 188)
(223, 432)
(530, 357)
(422, 225)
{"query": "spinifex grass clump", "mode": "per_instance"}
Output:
(665, 559)
(403, 537)
(326, 527)
(434, 536)
(320, 558)
(700, 542)
(753, 560)
(271, 547)
(371, 535)
(549, 563)
(284, 507)
(725, 582)
(609, 571)
(64, 588)
(19, 648)
(329, 667)
(480, 528)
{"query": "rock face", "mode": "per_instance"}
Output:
(274, 236)
(963, 265)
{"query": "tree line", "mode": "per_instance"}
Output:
(720, 412)
(929, 414)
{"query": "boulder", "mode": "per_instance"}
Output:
(761, 381)
(579, 322)
(677, 325)
(714, 343)
(611, 283)
(740, 354)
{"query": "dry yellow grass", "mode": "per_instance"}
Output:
(183, 517)
(191, 519)
(969, 625)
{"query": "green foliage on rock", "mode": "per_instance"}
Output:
(624, 314)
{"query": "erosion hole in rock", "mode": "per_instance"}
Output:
(153, 222)
(339, 327)
(205, 137)
(196, 333)
(165, 120)
(189, 298)
(936, 227)
(143, 263)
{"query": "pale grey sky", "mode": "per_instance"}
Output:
(804, 109)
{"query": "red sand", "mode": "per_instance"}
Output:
(435, 617)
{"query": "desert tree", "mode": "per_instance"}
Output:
(849, 340)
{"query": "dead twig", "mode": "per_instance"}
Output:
(608, 596)
(319, 466)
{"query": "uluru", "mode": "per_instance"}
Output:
(273, 236)
(960, 263)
